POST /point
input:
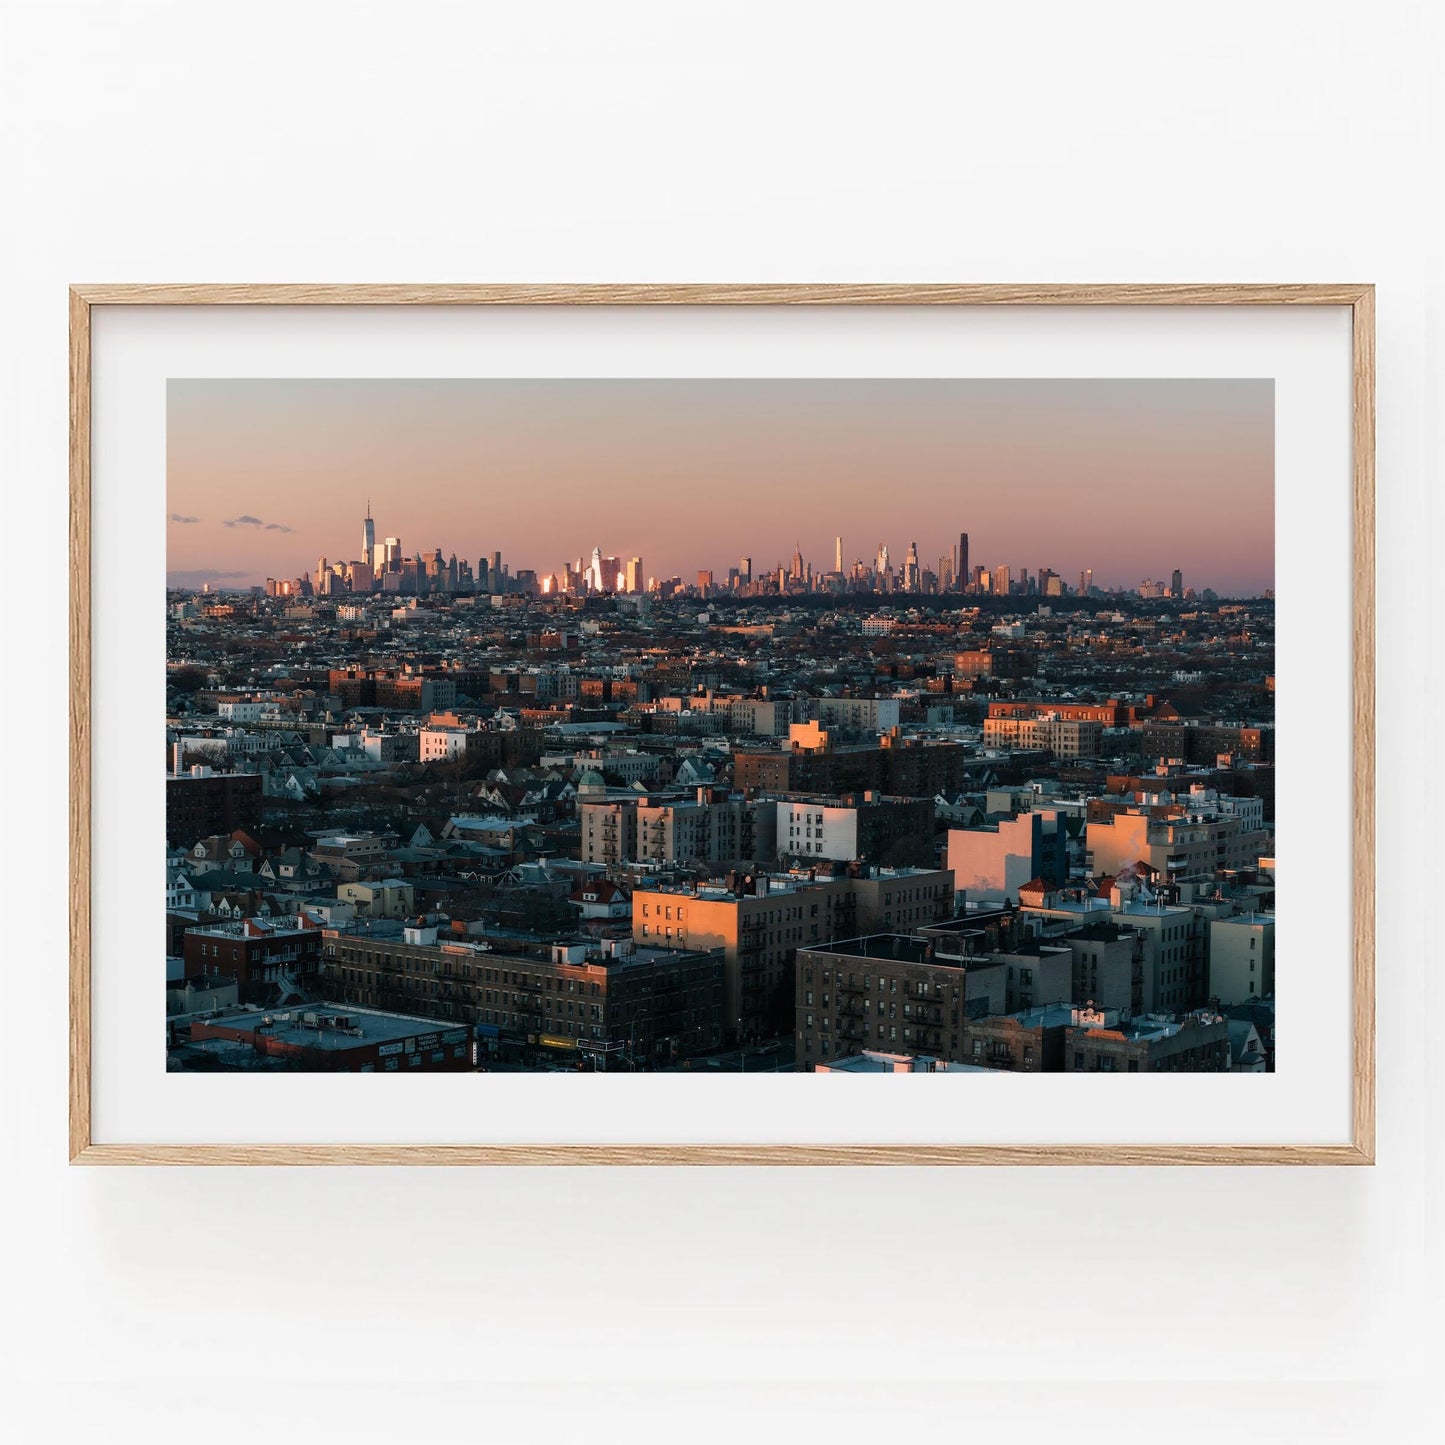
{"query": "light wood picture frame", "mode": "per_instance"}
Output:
(1359, 299)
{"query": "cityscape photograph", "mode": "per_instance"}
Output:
(682, 725)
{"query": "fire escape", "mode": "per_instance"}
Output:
(852, 1011)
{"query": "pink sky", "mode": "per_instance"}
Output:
(1131, 478)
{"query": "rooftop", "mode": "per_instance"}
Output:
(1066, 1015)
(329, 1027)
(886, 946)
(1157, 909)
(1101, 930)
(1164, 1026)
(284, 927)
(869, 1062)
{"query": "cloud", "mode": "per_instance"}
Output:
(249, 521)
(200, 575)
(176, 517)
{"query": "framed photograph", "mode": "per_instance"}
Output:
(610, 708)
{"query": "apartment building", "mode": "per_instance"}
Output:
(256, 952)
(761, 920)
(993, 862)
(1060, 737)
(562, 999)
(1179, 845)
(1241, 958)
(872, 827)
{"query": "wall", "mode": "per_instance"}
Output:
(632, 142)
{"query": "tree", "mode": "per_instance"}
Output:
(186, 679)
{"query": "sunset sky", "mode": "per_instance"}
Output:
(1131, 478)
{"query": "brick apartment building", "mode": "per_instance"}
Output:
(546, 999)
(407, 692)
(256, 952)
(904, 994)
(1014, 662)
(760, 921)
(202, 805)
(1193, 742)
(880, 991)
(900, 768)
(1111, 714)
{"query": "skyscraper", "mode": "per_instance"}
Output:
(837, 554)
(1001, 580)
(368, 537)
(745, 568)
(1176, 584)
(960, 563)
(635, 579)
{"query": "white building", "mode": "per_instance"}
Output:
(241, 712)
(859, 714)
(815, 830)
(180, 891)
(443, 744)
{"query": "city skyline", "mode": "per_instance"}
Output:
(387, 565)
(264, 477)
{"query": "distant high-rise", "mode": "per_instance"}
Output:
(745, 570)
(960, 562)
(1176, 584)
(636, 582)
(1001, 580)
(368, 537)
(393, 554)
(837, 554)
